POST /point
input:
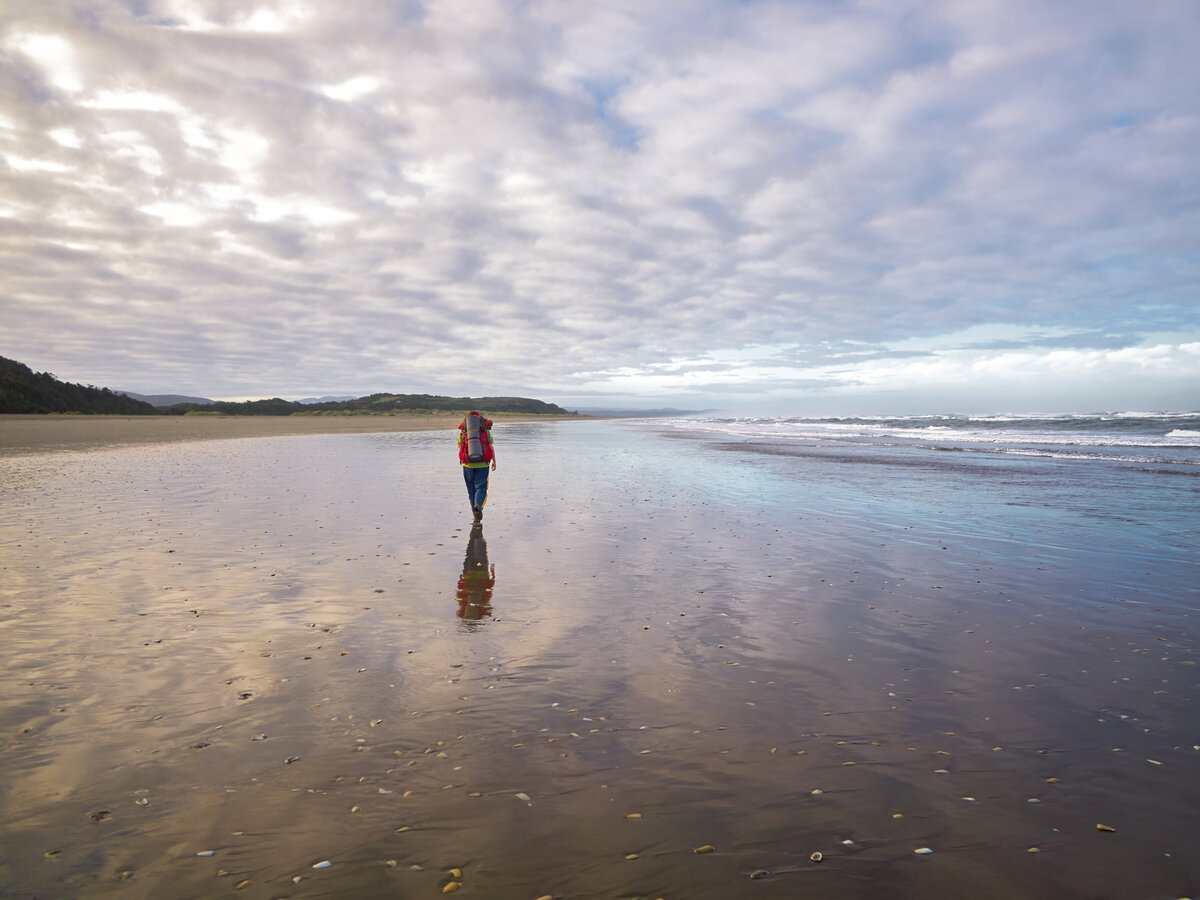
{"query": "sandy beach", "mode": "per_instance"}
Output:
(667, 666)
(40, 433)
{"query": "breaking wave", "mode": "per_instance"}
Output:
(1168, 438)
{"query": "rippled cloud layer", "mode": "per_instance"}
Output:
(702, 202)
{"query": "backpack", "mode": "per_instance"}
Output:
(476, 439)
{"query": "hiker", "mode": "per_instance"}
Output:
(477, 456)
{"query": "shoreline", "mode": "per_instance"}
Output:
(22, 434)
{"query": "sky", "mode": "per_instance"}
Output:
(803, 207)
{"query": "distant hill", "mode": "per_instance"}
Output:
(307, 400)
(164, 399)
(373, 404)
(24, 391)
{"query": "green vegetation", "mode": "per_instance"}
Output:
(369, 412)
(24, 391)
(374, 405)
(272, 407)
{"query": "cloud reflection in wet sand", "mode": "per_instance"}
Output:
(715, 653)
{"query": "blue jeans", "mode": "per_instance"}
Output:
(476, 480)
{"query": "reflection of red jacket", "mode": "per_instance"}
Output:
(475, 595)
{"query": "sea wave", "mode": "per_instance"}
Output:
(1146, 437)
(1052, 454)
(1114, 430)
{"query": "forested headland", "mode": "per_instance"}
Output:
(23, 390)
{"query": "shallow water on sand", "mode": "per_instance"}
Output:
(659, 642)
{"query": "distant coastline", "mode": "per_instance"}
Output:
(24, 391)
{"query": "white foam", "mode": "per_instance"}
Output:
(1039, 434)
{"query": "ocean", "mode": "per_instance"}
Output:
(1169, 439)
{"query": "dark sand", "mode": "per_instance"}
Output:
(36, 434)
(282, 652)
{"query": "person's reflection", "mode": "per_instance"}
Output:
(478, 578)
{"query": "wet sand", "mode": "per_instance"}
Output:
(227, 662)
(41, 433)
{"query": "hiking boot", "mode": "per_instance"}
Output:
(478, 510)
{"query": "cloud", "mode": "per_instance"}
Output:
(302, 198)
(1090, 340)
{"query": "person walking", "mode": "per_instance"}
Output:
(477, 456)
